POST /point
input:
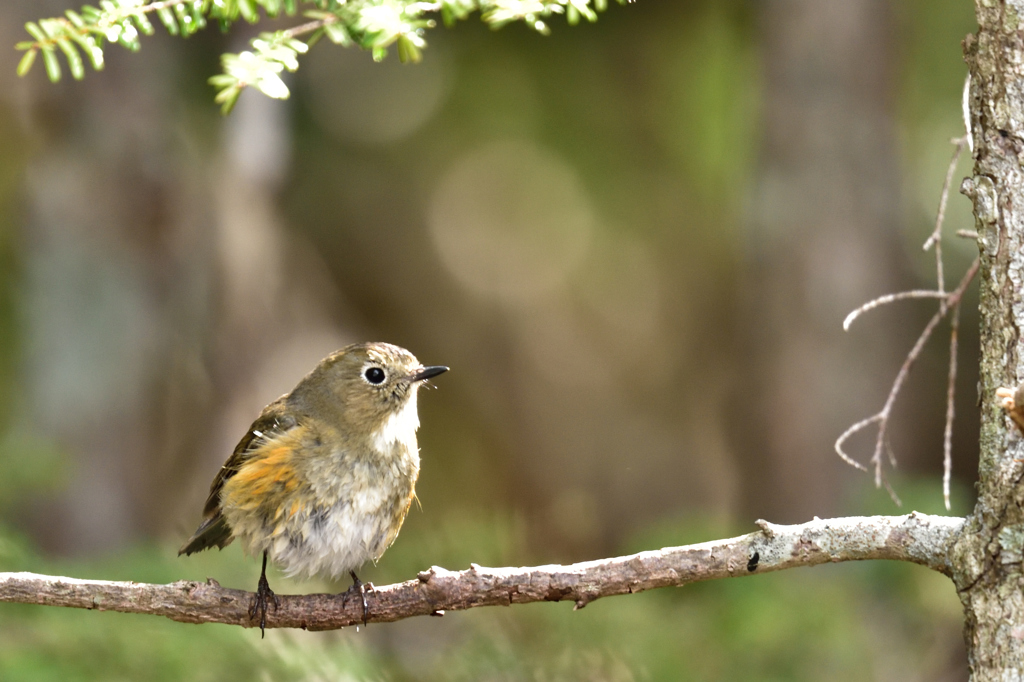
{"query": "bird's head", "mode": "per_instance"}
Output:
(368, 390)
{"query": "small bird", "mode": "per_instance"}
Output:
(324, 477)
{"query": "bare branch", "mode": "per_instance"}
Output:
(862, 424)
(892, 494)
(950, 301)
(918, 538)
(965, 107)
(901, 376)
(309, 27)
(947, 436)
(936, 235)
(889, 298)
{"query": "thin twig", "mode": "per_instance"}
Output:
(889, 298)
(952, 300)
(947, 436)
(862, 424)
(116, 15)
(917, 538)
(153, 6)
(892, 459)
(882, 417)
(901, 376)
(892, 494)
(936, 235)
(967, 234)
(309, 26)
(122, 13)
(948, 302)
(965, 110)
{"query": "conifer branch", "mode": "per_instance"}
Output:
(373, 25)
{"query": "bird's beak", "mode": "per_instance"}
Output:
(429, 372)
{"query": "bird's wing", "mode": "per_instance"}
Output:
(214, 530)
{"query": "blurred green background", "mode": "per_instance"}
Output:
(634, 242)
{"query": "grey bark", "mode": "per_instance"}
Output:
(987, 557)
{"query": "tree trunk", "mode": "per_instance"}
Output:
(826, 193)
(987, 557)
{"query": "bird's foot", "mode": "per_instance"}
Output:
(260, 600)
(358, 586)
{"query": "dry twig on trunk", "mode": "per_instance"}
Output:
(948, 303)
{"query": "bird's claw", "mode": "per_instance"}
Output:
(263, 596)
(358, 586)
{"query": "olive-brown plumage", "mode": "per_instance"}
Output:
(324, 477)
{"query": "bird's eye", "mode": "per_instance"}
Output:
(375, 375)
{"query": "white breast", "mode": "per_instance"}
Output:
(398, 428)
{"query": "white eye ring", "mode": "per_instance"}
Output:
(374, 375)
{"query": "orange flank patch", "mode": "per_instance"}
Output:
(267, 475)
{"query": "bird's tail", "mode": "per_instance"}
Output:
(212, 532)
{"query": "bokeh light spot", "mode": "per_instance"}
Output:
(511, 221)
(358, 100)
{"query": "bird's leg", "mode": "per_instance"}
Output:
(358, 586)
(262, 597)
